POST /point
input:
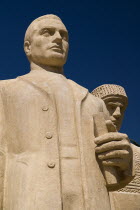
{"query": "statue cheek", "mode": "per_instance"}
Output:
(65, 46)
(38, 42)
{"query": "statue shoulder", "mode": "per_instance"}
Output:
(6, 83)
(9, 87)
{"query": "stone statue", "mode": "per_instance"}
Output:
(116, 102)
(59, 149)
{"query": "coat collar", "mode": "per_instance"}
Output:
(39, 78)
(79, 92)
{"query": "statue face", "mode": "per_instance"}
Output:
(116, 109)
(49, 43)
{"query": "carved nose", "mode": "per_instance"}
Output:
(57, 37)
(117, 112)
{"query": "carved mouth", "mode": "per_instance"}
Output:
(57, 48)
(115, 122)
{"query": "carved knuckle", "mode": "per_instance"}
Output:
(123, 154)
(100, 157)
(97, 149)
(123, 135)
(126, 144)
(126, 136)
(112, 135)
(126, 152)
(108, 163)
(105, 162)
(96, 140)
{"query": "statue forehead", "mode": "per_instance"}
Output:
(115, 99)
(50, 23)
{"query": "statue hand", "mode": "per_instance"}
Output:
(114, 149)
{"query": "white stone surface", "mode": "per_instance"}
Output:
(54, 138)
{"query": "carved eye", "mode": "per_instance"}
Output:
(64, 35)
(47, 32)
(111, 106)
(122, 108)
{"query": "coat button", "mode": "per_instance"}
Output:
(45, 108)
(51, 164)
(49, 135)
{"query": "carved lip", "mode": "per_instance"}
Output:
(57, 48)
(115, 122)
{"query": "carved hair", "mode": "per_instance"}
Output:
(31, 27)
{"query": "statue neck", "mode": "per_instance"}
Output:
(54, 69)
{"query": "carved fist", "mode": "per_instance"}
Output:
(113, 149)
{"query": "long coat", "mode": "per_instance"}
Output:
(30, 157)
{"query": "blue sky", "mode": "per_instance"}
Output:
(104, 45)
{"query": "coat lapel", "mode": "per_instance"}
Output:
(80, 94)
(38, 78)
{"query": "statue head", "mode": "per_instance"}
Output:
(116, 101)
(46, 41)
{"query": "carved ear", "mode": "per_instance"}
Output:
(27, 48)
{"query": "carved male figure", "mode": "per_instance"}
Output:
(48, 131)
(116, 102)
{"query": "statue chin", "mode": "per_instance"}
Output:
(55, 59)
